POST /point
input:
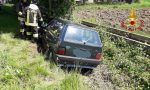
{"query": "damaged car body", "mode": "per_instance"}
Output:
(72, 45)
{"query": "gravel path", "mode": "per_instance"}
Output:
(99, 79)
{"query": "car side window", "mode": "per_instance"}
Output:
(55, 27)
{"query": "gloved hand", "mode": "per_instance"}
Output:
(41, 19)
(44, 25)
(20, 13)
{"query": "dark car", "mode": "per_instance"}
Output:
(71, 44)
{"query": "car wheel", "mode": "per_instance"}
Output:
(39, 48)
(48, 54)
(86, 71)
(22, 35)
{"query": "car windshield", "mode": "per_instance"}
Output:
(82, 35)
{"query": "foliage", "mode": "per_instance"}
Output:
(127, 62)
(57, 8)
(73, 82)
(15, 1)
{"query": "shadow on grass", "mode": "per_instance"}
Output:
(8, 20)
(82, 71)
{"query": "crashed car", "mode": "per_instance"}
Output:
(72, 45)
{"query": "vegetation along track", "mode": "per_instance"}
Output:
(125, 65)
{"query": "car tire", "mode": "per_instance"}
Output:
(86, 71)
(22, 35)
(48, 54)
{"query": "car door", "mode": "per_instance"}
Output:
(53, 31)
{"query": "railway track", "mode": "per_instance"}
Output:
(128, 36)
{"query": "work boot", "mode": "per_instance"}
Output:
(35, 35)
(29, 35)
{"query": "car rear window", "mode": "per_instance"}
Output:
(78, 34)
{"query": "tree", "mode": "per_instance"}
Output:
(57, 8)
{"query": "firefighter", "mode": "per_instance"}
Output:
(32, 20)
(21, 9)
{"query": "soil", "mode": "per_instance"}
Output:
(114, 17)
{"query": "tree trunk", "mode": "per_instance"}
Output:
(50, 2)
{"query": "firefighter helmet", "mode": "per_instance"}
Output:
(34, 1)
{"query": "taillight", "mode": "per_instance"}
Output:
(98, 56)
(61, 51)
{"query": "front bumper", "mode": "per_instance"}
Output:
(76, 61)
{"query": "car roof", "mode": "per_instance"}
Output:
(70, 23)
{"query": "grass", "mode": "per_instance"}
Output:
(142, 4)
(127, 63)
(8, 22)
(23, 68)
(142, 33)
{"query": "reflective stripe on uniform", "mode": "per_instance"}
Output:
(31, 24)
(20, 13)
(47, 45)
(21, 19)
(21, 30)
(29, 33)
(51, 33)
(27, 21)
(35, 35)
